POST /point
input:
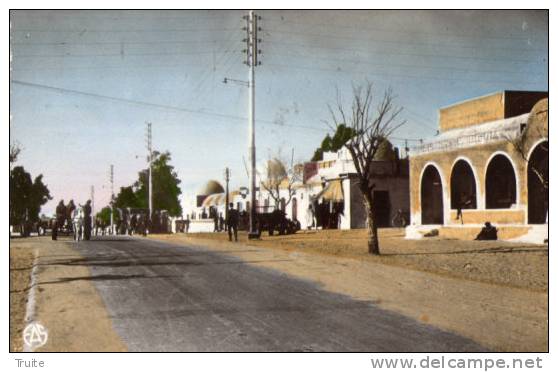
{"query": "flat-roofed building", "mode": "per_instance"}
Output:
(489, 163)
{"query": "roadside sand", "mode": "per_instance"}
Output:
(21, 264)
(501, 318)
(498, 262)
(68, 304)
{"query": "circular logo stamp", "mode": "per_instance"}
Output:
(35, 335)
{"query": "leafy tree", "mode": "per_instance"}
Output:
(127, 198)
(104, 216)
(166, 190)
(26, 196)
(40, 195)
(342, 134)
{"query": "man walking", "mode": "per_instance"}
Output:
(60, 218)
(87, 220)
(232, 222)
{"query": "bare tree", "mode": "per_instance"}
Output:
(15, 149)
(372, 125)
(278, 177)
(519, 145)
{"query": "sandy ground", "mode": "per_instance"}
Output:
(512, 264)
(500, 317)
(21, 264)
(67, 303)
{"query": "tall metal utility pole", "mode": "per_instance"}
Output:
(150, 160)
(252, 61)
(111, 199)
(227, 178)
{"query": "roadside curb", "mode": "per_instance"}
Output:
(30, 308)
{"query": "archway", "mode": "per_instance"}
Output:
(463, 186)
(431, 197)
(500, 183)
(537, 176)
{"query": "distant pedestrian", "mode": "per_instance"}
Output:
(187, 225)
(70, 208)
(87, 222)
(232, 222)
(310, 217)
(59, 220)
(463, 203)
(488, 232)
(215, 223)
(221, 222)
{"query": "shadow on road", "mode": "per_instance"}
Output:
(137, 261)
(105, 277)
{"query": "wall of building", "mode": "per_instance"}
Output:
(478, 158)
(472, 112)
(488, 108)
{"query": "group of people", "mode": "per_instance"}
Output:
(66, 216)
(230, 224)
(219, 222)
(326, 214)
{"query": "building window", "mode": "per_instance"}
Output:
(500, 183)
(463, 186)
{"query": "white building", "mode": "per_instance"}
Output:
(325, 196)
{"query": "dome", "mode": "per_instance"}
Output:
(385, 151)
(211, 187)
(538, 120)
(539, 112)
(276, 169)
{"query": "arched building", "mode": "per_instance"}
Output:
(489, 160)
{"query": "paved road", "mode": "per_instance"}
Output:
(168, 297)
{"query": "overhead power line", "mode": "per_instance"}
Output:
(360, 28)
(412, 43)
(62, 14)
(406, 76)
(436, 67)
(86, 30)
(68, 55)
(151, 104)
(157, 42)
(384, 52)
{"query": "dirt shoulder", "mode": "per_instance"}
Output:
(67, 303)
(497, 262)
(500, 317)
(21, 263)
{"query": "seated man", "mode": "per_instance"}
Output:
(488, 232)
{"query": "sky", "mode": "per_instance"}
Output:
(84, 84)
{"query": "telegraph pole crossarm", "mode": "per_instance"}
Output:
(236, 81)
